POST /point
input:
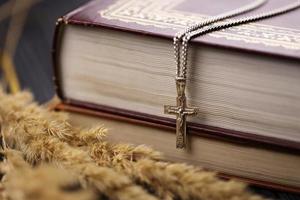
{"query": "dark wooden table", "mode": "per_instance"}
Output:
(34, 64)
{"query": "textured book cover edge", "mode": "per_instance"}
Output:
(77, 17)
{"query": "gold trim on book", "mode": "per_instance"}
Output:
(163, 14)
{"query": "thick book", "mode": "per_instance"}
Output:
(116, 58)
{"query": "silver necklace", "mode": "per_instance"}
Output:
(181, 110)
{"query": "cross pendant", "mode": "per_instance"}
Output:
(181, 110)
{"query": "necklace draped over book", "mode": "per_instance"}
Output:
(181, 110)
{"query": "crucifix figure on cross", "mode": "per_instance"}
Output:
(181, 110)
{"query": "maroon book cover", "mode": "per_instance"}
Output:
(278, 36)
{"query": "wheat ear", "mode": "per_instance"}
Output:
(55, 124)
(170, 179)
(28, 132)
(40, 148)
(22, 182)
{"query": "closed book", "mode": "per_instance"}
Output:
(116, 58)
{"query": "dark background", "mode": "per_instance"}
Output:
(33, 58)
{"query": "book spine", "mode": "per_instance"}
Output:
(60, 24)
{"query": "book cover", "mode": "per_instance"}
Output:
(278, 36)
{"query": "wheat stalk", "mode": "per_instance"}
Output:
(55, 124)
(41, 148)
(171, 179)
(28, 130)
(114, 169)
(22, 182)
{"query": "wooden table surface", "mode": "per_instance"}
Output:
(34, 64)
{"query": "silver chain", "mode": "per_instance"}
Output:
(178, 37)
(212, 24)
